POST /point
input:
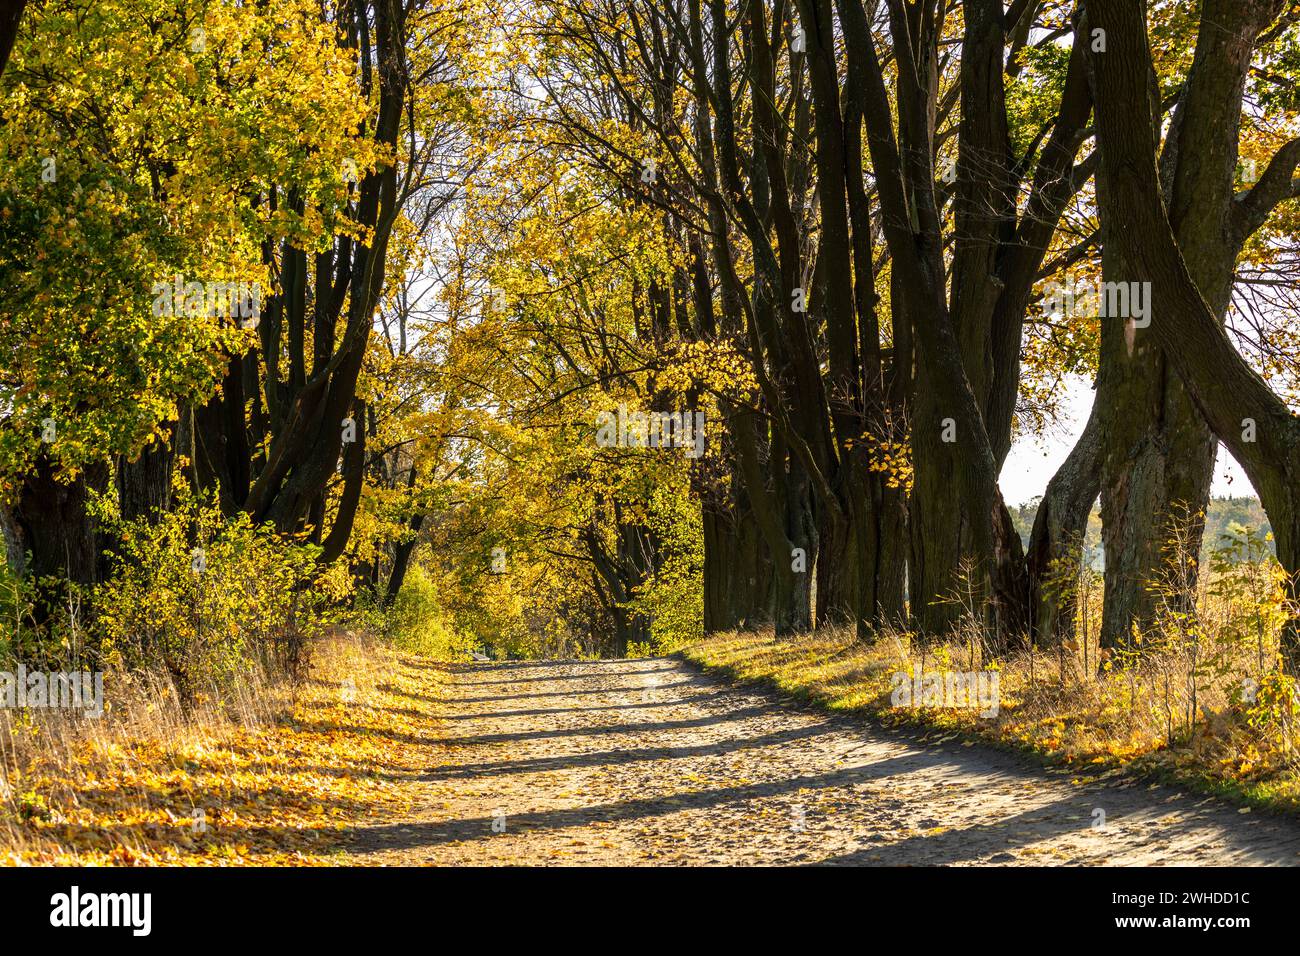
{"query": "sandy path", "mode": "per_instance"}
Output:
(649, 762)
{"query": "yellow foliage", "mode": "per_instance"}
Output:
(269, 776)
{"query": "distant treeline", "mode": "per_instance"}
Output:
(1225, 518)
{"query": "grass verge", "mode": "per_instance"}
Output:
(269, 775)
(1141, 719)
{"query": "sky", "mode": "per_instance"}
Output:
(1033, 461)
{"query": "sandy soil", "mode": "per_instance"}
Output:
(649, 762)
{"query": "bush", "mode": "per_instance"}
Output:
(417, 622)
(207, 598)
(17, 597)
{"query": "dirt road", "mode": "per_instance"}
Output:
(648, 762)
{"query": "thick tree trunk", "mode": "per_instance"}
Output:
(56, 528)
(796, 596)
(720, 572)
(939, 518)
(1226, 390)
(1159, 460)
(1155, 487)
(894, 550)
(9, 22)
(737, 580)
(960, 526)
(783, 515)
(221, 443)
(144, 486)
(841, 569)
(56, 533)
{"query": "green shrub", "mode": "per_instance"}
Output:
(207, 598)
(17, 597)
(418, 623)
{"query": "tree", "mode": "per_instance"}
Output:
(126, 224)
(1227, 392)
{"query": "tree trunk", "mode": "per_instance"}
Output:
(144, 486)
(797, 589)
(402, 559)
(9, 22)
(1225, 389)
(737, 582)
(1159, 459)
(57, 533)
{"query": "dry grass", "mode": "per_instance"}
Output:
(1177, 710)
(268, 773)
